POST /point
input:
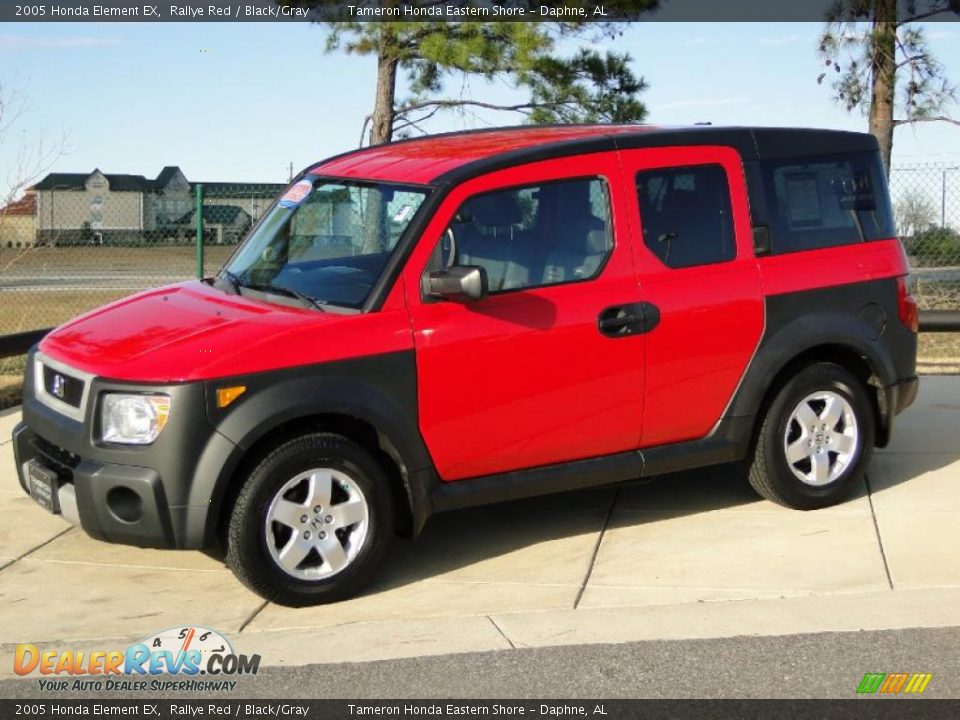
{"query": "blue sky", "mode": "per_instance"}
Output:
(240, 101)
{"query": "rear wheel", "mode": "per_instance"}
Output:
(311, 522)
(816, 439)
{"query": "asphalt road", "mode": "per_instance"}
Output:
(824, 665)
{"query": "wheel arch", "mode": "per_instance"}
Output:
(839, 339)
(383, 422)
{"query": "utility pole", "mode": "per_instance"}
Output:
(943, 199)
(290, 176)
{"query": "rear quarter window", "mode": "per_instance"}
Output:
(826, 201)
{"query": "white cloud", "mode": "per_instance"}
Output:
(700, 103)
(29, 42)
(695, 41)
(790, 39)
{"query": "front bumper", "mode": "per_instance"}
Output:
(150, 496)
(118, 503)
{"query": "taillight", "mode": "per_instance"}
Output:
(907, 306)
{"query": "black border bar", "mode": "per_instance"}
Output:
(431, 10)
(863, 708)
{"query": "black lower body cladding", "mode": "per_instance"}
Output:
(861, 319)
(170, 494)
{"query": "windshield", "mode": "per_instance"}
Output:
(325, 241)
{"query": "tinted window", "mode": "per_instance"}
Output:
(685, 214)
(532, 236)
(827, 201)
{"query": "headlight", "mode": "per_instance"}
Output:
(133, 419)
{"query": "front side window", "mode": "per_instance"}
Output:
(326, 241)
(532, 236)
(686, 216)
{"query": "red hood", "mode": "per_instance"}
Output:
(192, 331)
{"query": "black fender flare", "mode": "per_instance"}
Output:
(801, 336)
(379, 391)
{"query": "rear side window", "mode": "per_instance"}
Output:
(827, 201)
(686, 216)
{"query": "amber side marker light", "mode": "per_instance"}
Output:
(227, 395)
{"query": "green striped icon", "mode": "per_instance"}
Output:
(894, 683)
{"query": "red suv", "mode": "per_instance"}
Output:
(476, 317)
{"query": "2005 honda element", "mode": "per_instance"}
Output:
(474, 317)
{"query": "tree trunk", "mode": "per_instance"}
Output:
(883, 59)
(381, 122)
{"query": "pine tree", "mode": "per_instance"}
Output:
(590, 86)
(883, 64)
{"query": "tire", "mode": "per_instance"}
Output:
(344, 496)
(807, 469)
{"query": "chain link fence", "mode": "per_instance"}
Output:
(76, 242)
(926, 204)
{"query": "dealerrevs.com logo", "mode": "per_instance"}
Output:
(187, 652)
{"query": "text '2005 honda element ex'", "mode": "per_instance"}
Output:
(476, 317)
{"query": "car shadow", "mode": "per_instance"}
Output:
(458, 539)
(889, 469)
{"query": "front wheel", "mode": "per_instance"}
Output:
(816, 439)
(311, 522)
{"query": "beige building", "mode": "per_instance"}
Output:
(18, 222)
(98, 207)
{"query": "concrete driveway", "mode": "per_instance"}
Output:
(692, 555)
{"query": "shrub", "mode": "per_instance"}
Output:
(935, 247)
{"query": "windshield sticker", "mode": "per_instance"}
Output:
(296, 194)
(402, 214)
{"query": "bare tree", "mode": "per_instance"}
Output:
(914, 212)
(29, 161)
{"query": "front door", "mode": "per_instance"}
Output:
(530, 375)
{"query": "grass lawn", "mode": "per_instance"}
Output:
(162, 260)
(10, 390)
(31, 309)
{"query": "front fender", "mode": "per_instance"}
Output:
(379, 390)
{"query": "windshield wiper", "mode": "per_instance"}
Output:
(233, 281)
(281, 290)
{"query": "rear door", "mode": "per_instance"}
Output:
(690, 221)
(527, 376)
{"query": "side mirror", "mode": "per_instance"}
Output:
(462, 283)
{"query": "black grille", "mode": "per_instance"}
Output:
(64, 387)
(63, 460)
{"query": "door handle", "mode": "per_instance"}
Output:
(625, 320)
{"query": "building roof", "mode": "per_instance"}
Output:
(78, 181)
(217, 215)
(451, 156)
(139, 183)
(25, 206)
(165, 176)
(241, 189)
